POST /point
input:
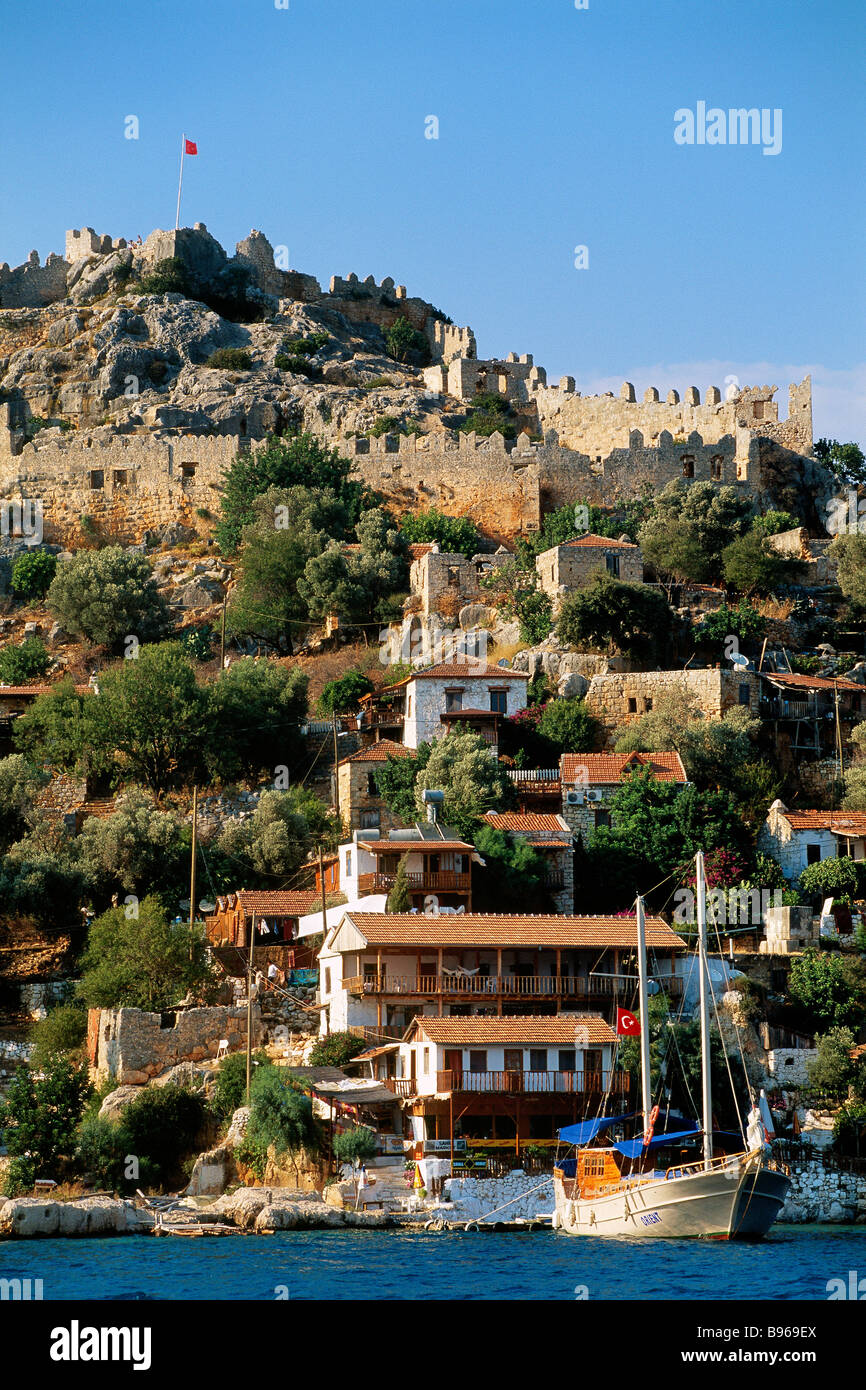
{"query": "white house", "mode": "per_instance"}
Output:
(464, 693)
(798, 838)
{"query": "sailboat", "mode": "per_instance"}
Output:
(617, 1189)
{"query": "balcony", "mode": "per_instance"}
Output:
(379, 719)
(516, 1083)
(444, 881)
(506, 986)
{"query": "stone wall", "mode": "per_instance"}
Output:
(473, 1198)
(617, 699)
(130, 1046)
(820, 1193)
(565, 568)
(33, 285)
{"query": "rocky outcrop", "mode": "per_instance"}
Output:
(822, 1194)
(281, 1209)
(28, 1218)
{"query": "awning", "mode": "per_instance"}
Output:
(588, 1129)
(633, 1148)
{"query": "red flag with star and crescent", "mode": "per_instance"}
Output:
(627, 1024)
(190, 147)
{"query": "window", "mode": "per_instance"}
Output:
(120, 477)
(187, 470)
(602, 818)
(612, 562)
(745, 694)
(647, 704)
(370, 820)
(567, 1059)
(813, 854)
(538, 1059)
(453, 700)
(688, 466)
(349, 862)
(758, 410)
(327, 979)
(478, 1061)
(716, 468)
(426, 1067)
(372, 789)
(632, 705)
(498, 701)
(97, 478)
(454, 576)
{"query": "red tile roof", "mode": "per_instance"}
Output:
(419, 548)
(796, 681)
(490, 929)
(478, 670)
(378, 752)
(592, 540)
(840, 822)
(35, 690)
(523, 822)
(590, 769)
(278, 902)
(414, 846)
(492, 1032)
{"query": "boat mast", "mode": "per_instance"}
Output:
(645, 1086)
(706, 1082)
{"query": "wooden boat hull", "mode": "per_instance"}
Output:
(737, 1199)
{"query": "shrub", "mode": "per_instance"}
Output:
(106, 595)
(288, 363)
(455, 534)
(32, 574)
(159, 1128)
(64, 1029)
(336, 1049)
(306, 346)
(230, 359)
(829, 876)
(849, 1128)
(100, 1151)
(280, 1115)
(405, 343)
(355, 1145)
(39, 1117)
(198, 642)
(24, 663)
(490, 413)
(168, 276)
(230, 1087)
(341, 695)
(568, 726)
(832, 1070)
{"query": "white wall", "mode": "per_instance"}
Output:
(425, 702)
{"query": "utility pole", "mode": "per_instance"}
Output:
(250, 1004)
(838, 730)
(324, 899)
(336, 772)
(192, 865)
(223, 633)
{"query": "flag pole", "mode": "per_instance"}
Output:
(180, 181)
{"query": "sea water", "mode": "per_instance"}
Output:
(793, 1262)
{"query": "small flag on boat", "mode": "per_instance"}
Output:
(627, 1025)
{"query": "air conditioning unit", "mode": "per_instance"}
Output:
(594, 796)
(574, 798)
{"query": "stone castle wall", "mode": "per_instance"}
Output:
(617, 699)
(131, 1046)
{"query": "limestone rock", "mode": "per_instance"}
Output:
(117, 1101)
(201, 593)
(474, 615)
(572, 686)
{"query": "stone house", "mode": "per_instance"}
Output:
(504, 1077)
(618, 698)
(468, 694)
(589, 781)
(361, 806)
(796, 839)
(130, 1046)
(550, 834)
(442, 583)
(381, 970)
(570, 566)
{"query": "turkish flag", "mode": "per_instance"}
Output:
(627, 1025)
(190, 147)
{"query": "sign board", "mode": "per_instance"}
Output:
(443, 1146)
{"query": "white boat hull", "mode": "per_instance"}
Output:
(738, 1198)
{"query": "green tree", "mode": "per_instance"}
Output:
(341, 695)
(614, 616)
(297, 460)
(473, 782)
(845, 461)
(396, 777)
(336, 1049)
(281, 1116)
(836, 876)
(743, 622)
(832, 1070)
(355, 1145)
(62, 1030)
(152, 715)
(159, 1128)
(491, 413)
(107, 595)
(230, 1087)
(688, 527)
(568, 726)
(39, 1116)
(32, 574)
(407, 344)
(53, 732)
(829, 987)
(39, 882)
(399, 899)
(137, 850)
(24, 663)
(279, 836)
(849, 1129)
(751, 566)
(512, 878)
(456, 535)
(255, 710)
(137, 958)
(20, 783)
(849, 553)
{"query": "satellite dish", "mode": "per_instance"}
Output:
(206, 906)
(740, 661)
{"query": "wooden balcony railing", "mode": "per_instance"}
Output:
(445, 881)
(515, 1083)
(376, 718)
(521, 986)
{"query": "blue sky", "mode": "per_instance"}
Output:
(556, 129)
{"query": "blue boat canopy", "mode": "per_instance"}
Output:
(633, 1148)
(588, 1129)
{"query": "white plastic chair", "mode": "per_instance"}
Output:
(223, 1049)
